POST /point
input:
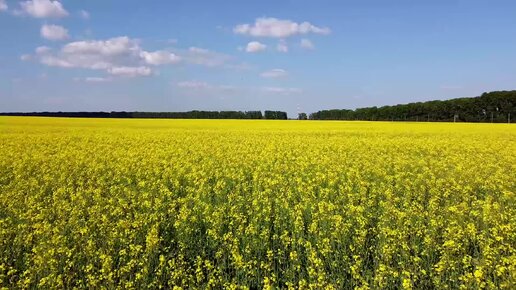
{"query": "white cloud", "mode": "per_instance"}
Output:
(193, 85)
(307, 44)
(199, 50)
(205, 57)
(111, 47)
(26, 57)
(84, 14)
(274, 73)
(130, 71)
(255, 46)
(43, 9)
(282, 46)
(3, 5)
(204, 86)
(123, 56)
(93, 79)
(96, 80)
(273, 27)
(119, 56)
(42, 49)
(283, 91)
(159, 57)
(53, 32)
(54, 61)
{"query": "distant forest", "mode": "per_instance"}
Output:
(496, 107)
(277, 115)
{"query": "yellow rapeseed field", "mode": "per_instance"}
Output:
(136, 204)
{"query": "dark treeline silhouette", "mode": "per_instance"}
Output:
(489, 107)
(277, 115)
(495, 107)
(162, 115)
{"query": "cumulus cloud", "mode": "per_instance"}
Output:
(123, 56)
(53, 32)
(111, 47)
(3, 5)
(278, 28)
(282, 46)
(84, 14)
(119, 56)
(159, 57)
(283, 91)
(43, 9)
(255, 46)
(274, 73)
(307, 44)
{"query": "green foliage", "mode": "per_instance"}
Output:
(490, 107)
(275, 115)
(150, 115)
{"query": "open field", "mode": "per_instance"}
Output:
(113, 203)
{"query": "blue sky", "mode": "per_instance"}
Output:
(250, 55)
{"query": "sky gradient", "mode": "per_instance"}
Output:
(250, 55)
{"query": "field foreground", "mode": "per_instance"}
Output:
(106, 203)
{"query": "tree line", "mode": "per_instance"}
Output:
(496, 107)
(278, 115)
